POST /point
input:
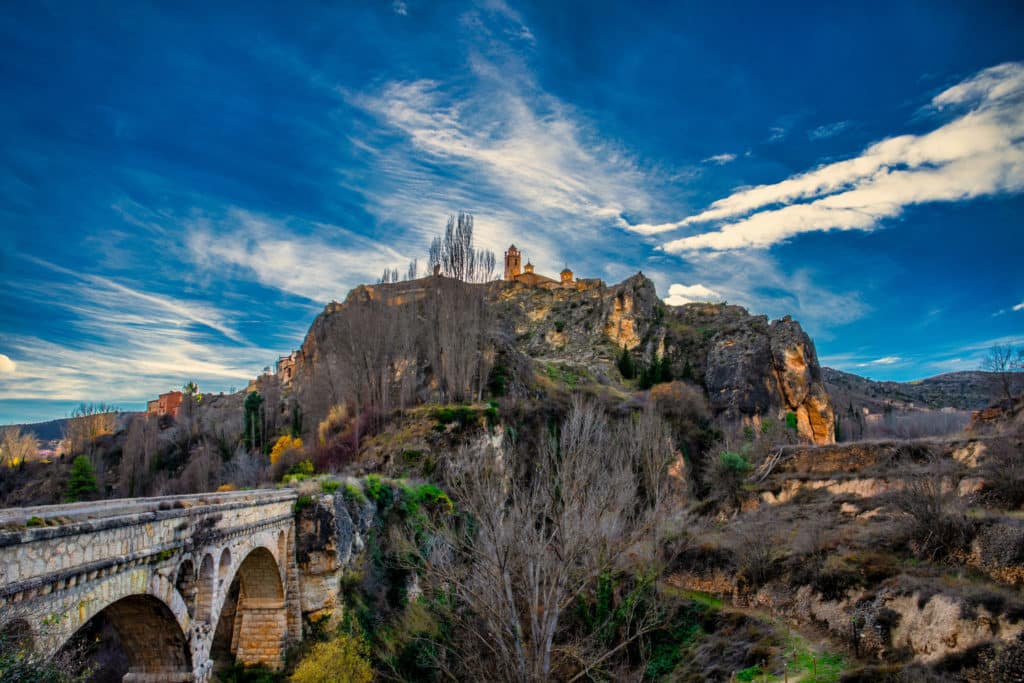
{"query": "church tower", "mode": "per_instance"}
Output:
(512, 261)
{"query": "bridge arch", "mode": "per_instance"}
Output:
(252, 624)
(152, 642)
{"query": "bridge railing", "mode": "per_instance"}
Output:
(116, 507)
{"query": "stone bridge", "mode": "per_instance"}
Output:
(182, 579)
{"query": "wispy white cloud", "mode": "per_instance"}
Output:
(547, 160)
(504, 10)
(320, 266)
(7, 366)
(980, 152)
(124, 344)
(112, 294)
(1004, 311)
(777, 134)
(829, 130)
(400, 8)
(885, 360)
(679, 294)
(720, 159)
(531, 168)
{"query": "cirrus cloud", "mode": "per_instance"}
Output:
(7, 366)
(978, 153)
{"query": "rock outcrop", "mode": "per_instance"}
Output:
(751, 369)
(330, 531)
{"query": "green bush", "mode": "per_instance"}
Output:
(345, 658)
(735, 462)
(329, 486)
(559, 325)
(304, 467)
(791, 420)
(353, 493)
(82, 480)
(378, 491)
(303, 502)
(464, 416)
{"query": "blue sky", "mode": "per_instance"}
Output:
(182, 187)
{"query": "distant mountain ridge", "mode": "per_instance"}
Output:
(45, 431)
(967, 390)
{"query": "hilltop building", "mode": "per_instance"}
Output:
(286, 367)
(515, 272)
(165, 404)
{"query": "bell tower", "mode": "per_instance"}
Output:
(512, 261)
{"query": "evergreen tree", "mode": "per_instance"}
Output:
(626, 365)
(82, 480)
(665, 371)
(253, 424)
(647, 376)
(687, 371)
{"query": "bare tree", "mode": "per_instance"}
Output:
(88, 422)
(937, 522)
(537, 542)
(140, 449)
(458, 345)
(1003, 362)
(17, 447)
(457, 255)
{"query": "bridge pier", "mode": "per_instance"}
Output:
(261, 632)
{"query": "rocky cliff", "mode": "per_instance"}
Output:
(538, 340)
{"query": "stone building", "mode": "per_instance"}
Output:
(527, 276)
(165, 404)
(286, 366)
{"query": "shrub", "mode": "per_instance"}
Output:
(938, 524)
(345, 658)
(336, 418)
(303, 502)
(224, 488)
(82, 480)
(1003, 471)
(724, 477)
(378, 491)
(791, 420)
(353, 493)
(283, 445)
(559, 325)
(329, 486)
(465, 416)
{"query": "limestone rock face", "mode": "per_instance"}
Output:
(329, 533)
(754, 368)
(796, 364)
(565, 337)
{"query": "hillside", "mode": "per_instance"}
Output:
(970, 390)
(451, 341)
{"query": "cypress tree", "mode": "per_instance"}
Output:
(647, 376)
(253, 425)
(666, 370)
(626, 365)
